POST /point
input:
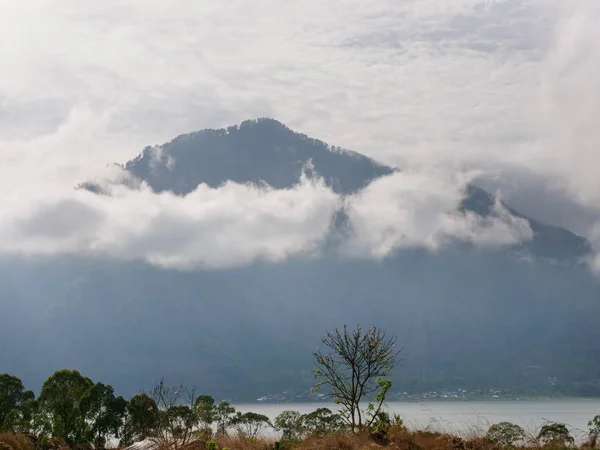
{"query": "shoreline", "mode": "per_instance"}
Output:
(426, 400)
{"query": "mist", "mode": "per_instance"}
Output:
(220, 256)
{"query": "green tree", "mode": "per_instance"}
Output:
(594, 426)
(143, 416)
(204, 405)
(224, 414)
(105, 414)
(322, 421)
(251, 424)
(352, 366)
(12, 396)
(556, 434)
(181, 421)
(506, 434)
(383, 423)
(177, 418)
(291, 425)
(62, 398)
(28, 419)
(126, 435)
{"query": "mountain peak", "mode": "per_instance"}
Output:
(260, 150)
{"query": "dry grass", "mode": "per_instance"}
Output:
(338, 441)
(11, 441)
(397, 439)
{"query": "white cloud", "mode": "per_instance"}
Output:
(406, 210)
(159, 159)
(442, 88)
(236, 224)
(398, 80)
(229, 226)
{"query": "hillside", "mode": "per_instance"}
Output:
(468, 317)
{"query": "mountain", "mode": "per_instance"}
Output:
(266, 151)
(468, 317)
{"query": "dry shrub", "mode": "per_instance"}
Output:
(52, 443)
(198, 444)
(426, 439)
(339, 441)
(449, 442)
(402, 439)
(12, 441)
(241, 443)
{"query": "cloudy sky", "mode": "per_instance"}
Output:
(503, 90)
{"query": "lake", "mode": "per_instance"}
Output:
(463, 417)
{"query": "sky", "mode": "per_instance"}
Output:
(502, 92)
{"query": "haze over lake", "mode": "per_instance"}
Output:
(468, 416)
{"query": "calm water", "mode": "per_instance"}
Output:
(469, 416)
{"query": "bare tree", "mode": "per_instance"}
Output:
(352, 366)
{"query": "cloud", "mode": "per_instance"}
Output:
(506, 88)
(397, 80)
(229, 226)
(565, 155)
(405, 210)
(237, 224)
(569, 107)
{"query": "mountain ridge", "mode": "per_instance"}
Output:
(265, 150)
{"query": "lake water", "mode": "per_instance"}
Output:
(466, 417)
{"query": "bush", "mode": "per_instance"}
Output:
(381, 425)
(211, 445)
(594, 426)
(322, 421)
(556, 434)
(506, 434)
(291, 425)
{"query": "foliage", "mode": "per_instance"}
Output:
(291, 425)
(506, 434)
(251, 424)
(26, 418)
(181, 421)
(204, 405)
(594, 426)
(63, 400)
(143, 416)
(176, 420)
(211, 445)
(322, 421)
(381, 425)
(12, 396)
(105, 413)
(555, 434)
(353, 368)
(383, 422)
(224, 414)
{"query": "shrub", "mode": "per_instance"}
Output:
(291, 424)
(594, 426)
(556, 434)
(211, 445)
(506, 434)
(322, 421)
